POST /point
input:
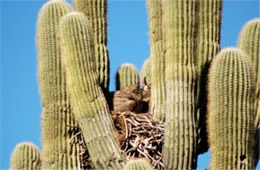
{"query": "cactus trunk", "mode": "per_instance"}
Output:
(180, 147)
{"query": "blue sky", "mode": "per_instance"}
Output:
(128, 42)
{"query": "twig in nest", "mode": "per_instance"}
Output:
(140, 136)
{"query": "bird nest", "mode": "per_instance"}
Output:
(140, 136)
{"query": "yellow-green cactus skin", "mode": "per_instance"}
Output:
(138, 164)
(127, 75)
(180, 147)
(231, 114)
(88, 101)
(96, 12)
(146, 73)
(57, 119)
(207, 47)
(249, 42)
(26, 156)
(157, 59)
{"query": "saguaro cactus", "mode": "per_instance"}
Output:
(96, 11)
(138, 164)
(180, 147)
(157, 59)
(207, 47)
(57, 118)
(249, 42)
(26, 156)
(146, 73)
(127, 75)
(88, 101)
(231, 111)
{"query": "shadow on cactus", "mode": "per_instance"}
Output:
(160, 124)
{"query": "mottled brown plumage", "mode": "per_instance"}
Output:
(130, 98)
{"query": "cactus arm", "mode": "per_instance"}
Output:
(96, 12)
(146, 73)
(126, 75)
(157, 59)
(208, 39)
(88, 101)
(26, 156)
(57, 119)
(249, 42)
(231, 115)
(138, 164)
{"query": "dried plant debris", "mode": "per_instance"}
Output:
(140, 136)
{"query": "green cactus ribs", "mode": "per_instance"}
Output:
(126, 75)
(138, 164)
(26, 156)
(96, 12)
(87, 98)
(231, 113)
(57, 119)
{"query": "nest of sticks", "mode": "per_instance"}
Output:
(140, 136)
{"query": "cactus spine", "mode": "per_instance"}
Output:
(96, 11)
(208, 39)
(57, 118)
(231, 111)
(88, 101)
(146, 73)
(157, 59)
(126, 75)
(138, 164)
(180, 147)
(26, 156)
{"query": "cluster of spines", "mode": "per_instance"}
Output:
(26, 156)
(88, 101)
(57, 119)
(207, 47)
(138, 164)
(157, 59)
(127, 75)
(231, 115)
(96, 12)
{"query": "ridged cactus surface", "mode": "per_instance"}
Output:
(57, 119)
(146, 73)
(249, 42)
(26, 156)
(138, 164)
(127, 75)
(96, 12)
(231, 113)
(88, 101)
(155, 12)
(180, 147)
(207, 47)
